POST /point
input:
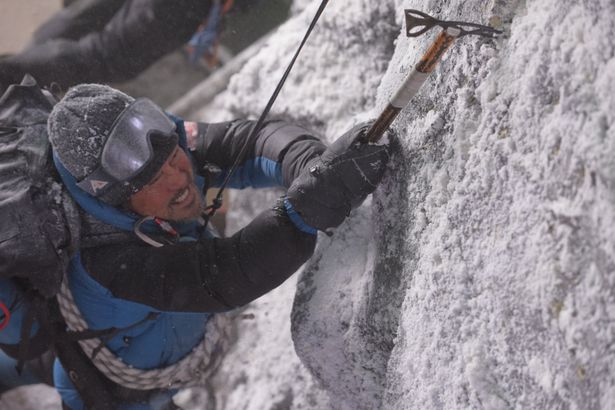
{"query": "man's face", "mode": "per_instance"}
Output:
(171, 194)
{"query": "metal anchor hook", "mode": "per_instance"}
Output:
(418, 23)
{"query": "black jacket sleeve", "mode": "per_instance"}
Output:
(137, 35)
(211, 275)
(289, 145)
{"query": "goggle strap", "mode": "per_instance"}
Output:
(97, 182)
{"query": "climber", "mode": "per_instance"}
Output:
(106, 41)
(149, 281)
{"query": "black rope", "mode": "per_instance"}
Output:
(217, 201)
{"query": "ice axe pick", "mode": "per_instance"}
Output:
(417, 24)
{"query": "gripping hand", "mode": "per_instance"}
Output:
(338, 181)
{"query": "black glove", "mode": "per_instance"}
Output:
(340, 180)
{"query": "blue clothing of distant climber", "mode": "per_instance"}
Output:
(149, 280)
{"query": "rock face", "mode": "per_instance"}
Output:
(481, 273)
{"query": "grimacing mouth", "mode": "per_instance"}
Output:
(180, 196)
(183, 193)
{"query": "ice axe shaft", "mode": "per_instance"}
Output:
(412, 83)
(418, 23)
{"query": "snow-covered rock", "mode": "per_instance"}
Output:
(481, 274)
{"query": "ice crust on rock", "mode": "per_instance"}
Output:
(481, 274)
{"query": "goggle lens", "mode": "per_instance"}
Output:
(128, 148)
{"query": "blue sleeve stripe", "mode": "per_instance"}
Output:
(297, 220)
(259, 172)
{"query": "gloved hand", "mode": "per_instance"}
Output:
(340, 180)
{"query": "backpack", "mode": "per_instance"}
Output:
(39, 233)
(39, 223)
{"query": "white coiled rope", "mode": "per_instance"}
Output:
(189, 371)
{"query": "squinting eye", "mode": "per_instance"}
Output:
(175, 156)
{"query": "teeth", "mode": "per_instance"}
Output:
(182, 196)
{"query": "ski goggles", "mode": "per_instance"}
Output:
(128, 148)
